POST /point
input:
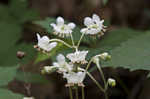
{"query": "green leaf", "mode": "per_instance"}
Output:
(6, 94)
(132, 54)
(46, 24)
(105, 2)
(7, 74)
(31, 77)
(21, 12)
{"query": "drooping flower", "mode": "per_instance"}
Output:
(61, 29)
(28, 98)
(93, 26)
(105, 56)
(44, 44)
(74, 78)
(62, 65)
(111, 82)
(78, 57)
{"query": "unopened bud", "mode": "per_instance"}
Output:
(49, 69)
(111, 82)
(105, 56)
(20, 54)
(96, 60)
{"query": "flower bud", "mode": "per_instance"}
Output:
(111, 82)
(105, 56)
(49, 69)
(20, 54)
(96, 60)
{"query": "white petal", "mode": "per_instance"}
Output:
(84, 30)
(71, 25)
(92, 31)
(53, 25)
(53, 44)
(38, 36)
(50, 46)
(45, 39)
(60, 58)
(96, 18)
(60, 21)
(88, 21)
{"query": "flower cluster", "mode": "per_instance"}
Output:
(71, 65)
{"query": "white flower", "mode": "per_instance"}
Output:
(111, 82)
(78, 57)
(62, 65)
(28, 98)
(61, 29)
(93, 26)
(43, 43)
(75, 78)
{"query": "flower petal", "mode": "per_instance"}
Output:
(38, 36)
(84, 30)
(60, 21)
(96, 18)
(88, 21)
(60, 58)
(71, 25)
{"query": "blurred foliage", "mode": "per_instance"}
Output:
(7, 74)
(12, 19)
(6, 94)
(14, 16)
(29, 77)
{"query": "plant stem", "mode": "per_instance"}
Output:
(80, 40)
(61, 41)
(72, 39)
(70, 93)
(102, 74)
(87, 67)
(106, 96)
(95, 81)
(76, 92)
(83, 94)
(103, 77)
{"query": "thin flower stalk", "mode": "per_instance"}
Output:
(70, 93)
(83, 93)
(96, 82)
(61, 41)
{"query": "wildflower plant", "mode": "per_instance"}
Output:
(71, 66)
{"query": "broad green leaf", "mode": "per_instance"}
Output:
(6, 94)
(7, 74)
(132, 54)
(31, 77)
